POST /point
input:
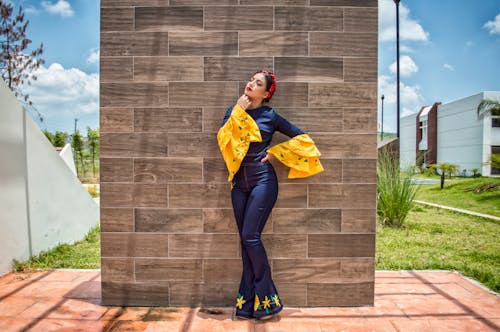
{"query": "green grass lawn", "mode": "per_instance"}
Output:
(433, 239)
(441, 239)
(85, 254)
(454, 194)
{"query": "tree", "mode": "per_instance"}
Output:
(17, 67)
(93, 141)
(77, 145)
(474, 171)
(450, 169)
(60, 138)
(49, 136)
(446, 168)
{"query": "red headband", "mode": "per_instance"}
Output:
(272, 88)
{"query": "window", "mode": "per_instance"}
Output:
(495, 154)
(423, 128)
(495, 121)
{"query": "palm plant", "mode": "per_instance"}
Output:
(446, 168)
(488, 105)
(474, 171)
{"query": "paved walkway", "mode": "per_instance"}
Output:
(68, 300)
(469, 212)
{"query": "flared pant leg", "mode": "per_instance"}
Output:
(252, 206)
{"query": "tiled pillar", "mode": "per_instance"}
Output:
(169, 70)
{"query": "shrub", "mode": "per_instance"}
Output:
(395, 193)
(93, 191)
(429, 171)
(475, 172)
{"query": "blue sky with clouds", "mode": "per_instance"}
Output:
(449, 49)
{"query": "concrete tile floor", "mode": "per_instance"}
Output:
(69, 300)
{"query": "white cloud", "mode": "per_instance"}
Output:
(409, 29)
(32, 10)
(406, 66)
(411, 96)
(93, 57)
(61, 7)
(406, 49)
(60, 92)
(449, 67)
(493, 26)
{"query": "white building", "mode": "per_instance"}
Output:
(454, 133)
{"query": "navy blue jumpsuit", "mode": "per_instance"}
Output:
(254, 193)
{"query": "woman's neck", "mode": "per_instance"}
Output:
(254, 104)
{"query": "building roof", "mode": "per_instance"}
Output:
(425, 111)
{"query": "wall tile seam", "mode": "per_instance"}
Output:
(343, 19)
(342, 259)
(155, 132)
(133, 20)
(345, 33)
(152, 257)
(274, 18)
(282, 182)
(282, 208)
(163, 208)
(133, 172)
(168, 200)
(344, 233)
(341, 133)
(160, 157)
(201, 32)
(133, 270)
(211, 234)
(307, 4)
(341, 178)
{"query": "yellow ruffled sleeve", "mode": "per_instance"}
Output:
(300, 154)
(234, 138)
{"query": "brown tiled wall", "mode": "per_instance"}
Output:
(169, 70)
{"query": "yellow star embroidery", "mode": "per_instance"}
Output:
(239, 302)
(276, 300)
(266, 303)
(256, 303)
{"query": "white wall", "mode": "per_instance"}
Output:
(464, 138)
(66, 154)
(460, 133)
(13, 197)
(41, 198)
(407, 134)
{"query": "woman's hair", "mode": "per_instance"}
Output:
(270, 82)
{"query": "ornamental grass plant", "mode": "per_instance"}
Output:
(395, 191)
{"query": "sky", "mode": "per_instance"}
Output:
(449, 49)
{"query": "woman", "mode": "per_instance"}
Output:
(244, 140)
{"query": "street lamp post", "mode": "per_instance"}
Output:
(382, 136)
(397, 65)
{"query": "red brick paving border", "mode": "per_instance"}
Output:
(69, 300)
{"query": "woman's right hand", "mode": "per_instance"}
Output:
(244, 101)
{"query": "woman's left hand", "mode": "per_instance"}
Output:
(266, 158)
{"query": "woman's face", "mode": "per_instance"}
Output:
(256, 87)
